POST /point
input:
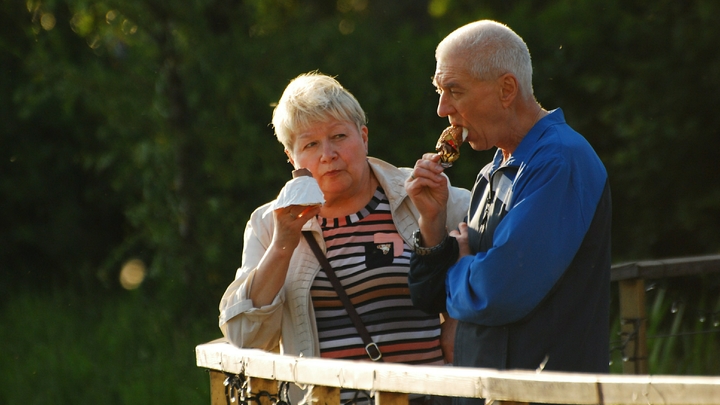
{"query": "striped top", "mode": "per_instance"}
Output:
(372, 262)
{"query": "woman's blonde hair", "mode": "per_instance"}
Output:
(311, 98)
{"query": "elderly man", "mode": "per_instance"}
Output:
(528, 276)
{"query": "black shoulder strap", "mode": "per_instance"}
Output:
(371, 348)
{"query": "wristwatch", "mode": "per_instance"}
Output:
(424, 251)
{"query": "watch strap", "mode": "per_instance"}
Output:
(424, 251)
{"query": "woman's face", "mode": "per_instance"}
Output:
(335, 152)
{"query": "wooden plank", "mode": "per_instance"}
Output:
(624, 271)
(674, 267)
(660, 390)
(264, 389)
(217, 388)
(506, 385)
(454, 381)
(322, 395)
(633, 325)
(544, 387)
(391, 398)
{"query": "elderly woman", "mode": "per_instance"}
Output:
(281, 299)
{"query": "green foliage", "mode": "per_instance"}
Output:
(630, 76)
(62, 348)
(140, 129)
(161, 113)
(165, 111)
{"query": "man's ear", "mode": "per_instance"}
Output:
(509, 89)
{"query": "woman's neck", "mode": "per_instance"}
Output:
(342, 206)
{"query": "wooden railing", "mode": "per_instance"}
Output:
(391, 383)
(631, 287)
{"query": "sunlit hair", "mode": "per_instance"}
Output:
(492, 49)
(313, 98)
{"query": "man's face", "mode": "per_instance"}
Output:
(469, 102)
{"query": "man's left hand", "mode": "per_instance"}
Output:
(461, 235)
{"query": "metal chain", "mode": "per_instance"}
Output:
(237, 392)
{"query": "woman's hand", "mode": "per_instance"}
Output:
(288, 225)
(273, 266)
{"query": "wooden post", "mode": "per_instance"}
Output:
(261, 385)
(633, 324)
(391, 398)
(217, 388)
(322, 395)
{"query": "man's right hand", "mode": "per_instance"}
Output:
(427, 187)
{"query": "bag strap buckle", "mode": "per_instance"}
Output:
(373, 351)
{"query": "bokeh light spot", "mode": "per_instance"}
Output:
(360, 5)
(132, 274)
(438, 8)
(346, 27)
(47, 21)
(345, 6)
(82, 23)
(31, 5)
(110, 16)
(93, 41)
(128, 27)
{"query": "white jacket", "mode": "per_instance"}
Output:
(287, 324)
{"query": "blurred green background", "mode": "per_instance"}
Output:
(135, 143)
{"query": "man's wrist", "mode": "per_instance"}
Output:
(433, 229)
(421, 250)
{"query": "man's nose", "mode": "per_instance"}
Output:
(445, 107)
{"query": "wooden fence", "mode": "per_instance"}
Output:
(391, 383)
(631, 279)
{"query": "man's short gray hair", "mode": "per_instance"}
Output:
(492, 49)
(313, 98)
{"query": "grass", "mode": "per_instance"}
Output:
(63, 349)
(683, 326)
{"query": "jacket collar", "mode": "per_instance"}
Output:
(531, 139)
(391, 179)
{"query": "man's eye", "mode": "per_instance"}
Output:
(309, 145)
(337, 136)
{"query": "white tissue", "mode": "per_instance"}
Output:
(303, 190)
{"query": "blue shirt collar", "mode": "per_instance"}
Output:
(528, 143)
